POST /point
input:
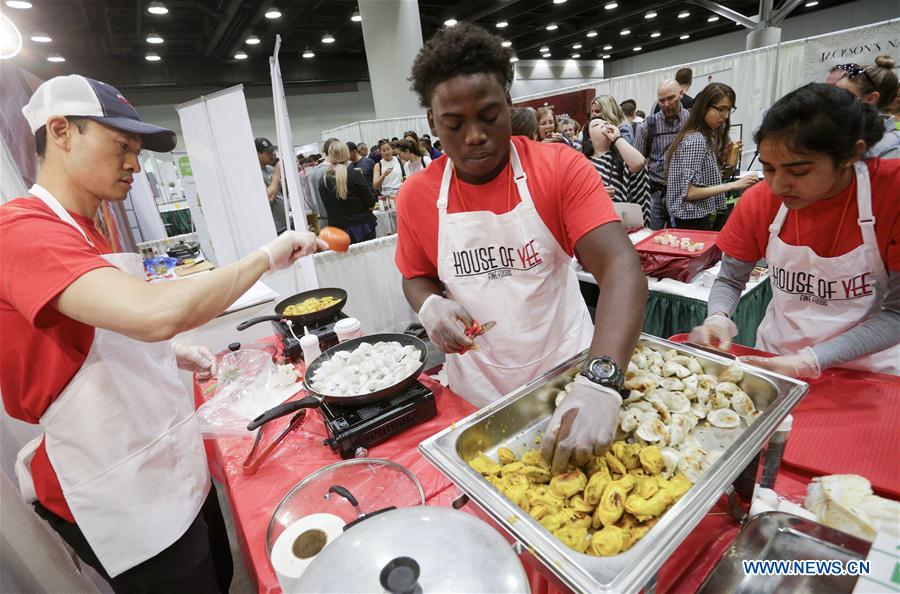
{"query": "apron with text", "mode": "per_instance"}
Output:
(124, 442)
(815, 299)
(509, 268)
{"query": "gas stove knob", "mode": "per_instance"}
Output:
(360, 452)
(234, 347)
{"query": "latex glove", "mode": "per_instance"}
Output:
(717, 328)
(198, 359)
(289, 247)
(803, 363)
(445, 321)
(584, 424)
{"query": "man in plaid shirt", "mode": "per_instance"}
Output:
(653, 137)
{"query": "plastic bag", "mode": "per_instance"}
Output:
(248, 385)
(680, 268)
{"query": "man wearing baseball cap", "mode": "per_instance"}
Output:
(120, 471)
(271, 172)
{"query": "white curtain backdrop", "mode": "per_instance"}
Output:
(11, 184)
(373, 284)
(369, 131)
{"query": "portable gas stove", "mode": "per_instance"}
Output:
(291, 344)
(351, 431)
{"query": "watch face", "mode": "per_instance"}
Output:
(602, 369)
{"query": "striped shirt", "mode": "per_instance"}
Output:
(693, 162)
(664, 134)
(629, 187)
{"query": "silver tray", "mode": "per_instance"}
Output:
(516, 420)
(776, 535)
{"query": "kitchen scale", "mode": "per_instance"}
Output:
(351, 431)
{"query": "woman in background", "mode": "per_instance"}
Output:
(548, 128)
(875, 84)
(606, 107)
(570, 130)
(347, 196)
(413, 156)
(620, 165)
(524, 122)
(695, 194)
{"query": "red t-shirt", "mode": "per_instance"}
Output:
(568, 195)
(746, 234)
(41, 350)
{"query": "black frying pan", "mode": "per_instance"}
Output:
(310, 319)
(317, 398)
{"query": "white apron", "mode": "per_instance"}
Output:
(124, 442)
(815, 299)
(509, 268)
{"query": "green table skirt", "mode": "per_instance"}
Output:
(666, 314)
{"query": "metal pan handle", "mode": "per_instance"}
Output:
(246, 324)
(283, 409)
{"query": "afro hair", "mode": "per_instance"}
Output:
(463, 49)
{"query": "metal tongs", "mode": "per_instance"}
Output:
(251, 464)
(476, 330)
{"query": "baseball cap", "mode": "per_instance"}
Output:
(76, 95)
(264, 145)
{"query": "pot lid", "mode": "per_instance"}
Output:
(417, 549)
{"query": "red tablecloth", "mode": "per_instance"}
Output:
(253, 499)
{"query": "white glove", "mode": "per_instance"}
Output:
(198, 359)
(583, 424)
(803, 363)
(289, 247)
(441, 318)
(717, 328)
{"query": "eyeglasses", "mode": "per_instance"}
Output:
(723, 111)
(854, 70)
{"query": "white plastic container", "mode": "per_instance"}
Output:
(309, 343)
(348, 329)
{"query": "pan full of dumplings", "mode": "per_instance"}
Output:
(690, 422)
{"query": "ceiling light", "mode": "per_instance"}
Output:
(240, 55)
(811, 4)
(450, 22)
(152, 57)
(637, 49)
(514, 59)
(18, 4)
(591, 33)
(356, 17)
(10, 38)
(655, 34)
(606, 56)
(712, 19)
(552, 27)
(308, 53)
(502, 24)
(684, 14)
(624, 32)
(41, 37)
(559, 1)
(650, 15)
(154, 38)
(55, 58)
(607, 47)
(685, 36)
(576, 56)
(544, 49)
(611, 5)
(328, 38)
(155, 8)
(545, 56)
(273, 13)
(253, 40)
(576, 46)
(506, 43)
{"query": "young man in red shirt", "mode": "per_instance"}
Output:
(487, 233)
(120, 471)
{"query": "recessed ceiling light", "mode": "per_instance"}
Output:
(811, 4)
(514, 59)
(684, 14)
(545, 56)
(592, 33)
(712, 19)
(606, 56)
(328, 38)
(624, 32)
(559, 1)
(356, 17)
(655, 34)
(157, 8)
(607, 47)
(55, 58)
(544, 49)
(240, 55)
(552, 27)
(685, 36)
(637, 49)
(576, 56)
(450, 22)
(41, 37)
(152, 57)
(650, 15)
(18, 4)
(308, 53)
(611, 5)
(253, 40)
(506, 43)
(502, 24)
(273, 13)
(576, 46)
(154, 38)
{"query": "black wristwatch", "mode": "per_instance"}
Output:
(604, 371)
